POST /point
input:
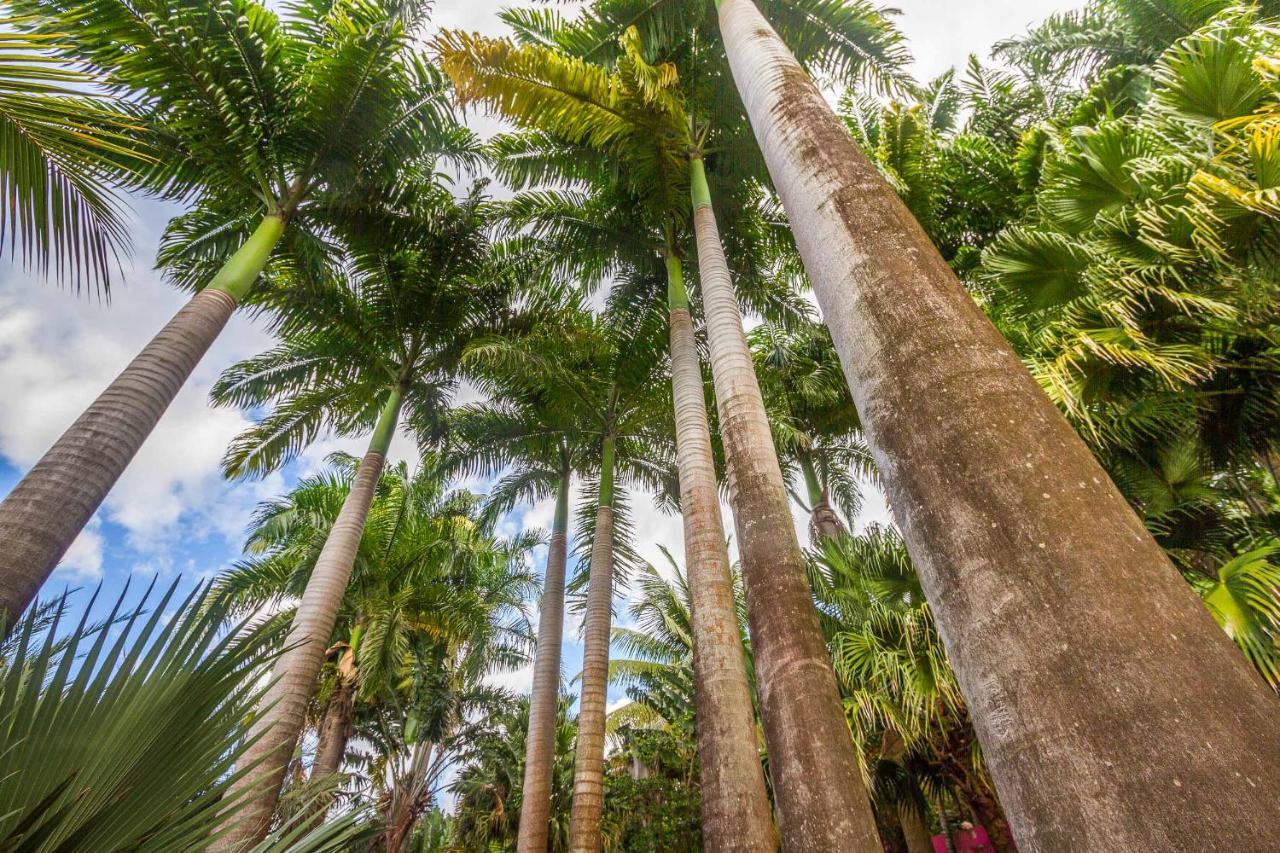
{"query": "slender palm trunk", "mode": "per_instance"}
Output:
(540, 747)
(335, 728)
(824, 521)
(822, 800)
(735, 806)
(588, 766)
(283, 709)
(1102, 729)
(914, 830)
(46, 511)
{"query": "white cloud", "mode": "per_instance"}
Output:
(83, 560)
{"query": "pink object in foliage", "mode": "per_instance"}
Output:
(973, 839)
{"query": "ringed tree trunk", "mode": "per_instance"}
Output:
(540, 748)
(1102, 729)
(824, 521)
(588, 766)
(822, 799)
(284, 706)
(735, 805)
(49, 507)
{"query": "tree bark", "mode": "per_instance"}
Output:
(335, 728)
(49, 507)
(914, 829)
(588, 767)
(735, 805)
(822, 800)
(540, 748)
(824, 521)
(280, 721)
(1102, 729)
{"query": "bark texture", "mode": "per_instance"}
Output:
(824, 521)
(914, 830)
(735, 806)
(588, 766)
(45, 512)
(335, 729)
(540, 747)
(822, 800)
(1112, 711)
(280, 724)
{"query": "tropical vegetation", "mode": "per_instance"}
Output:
(1006, 342)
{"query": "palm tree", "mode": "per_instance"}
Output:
(609, 372)
(65, 144)
(635, 116)
(908, 717)
(352, 356)
(429, 580)
(996, 495)
(532, 433)
(280, 130)
(490, 795)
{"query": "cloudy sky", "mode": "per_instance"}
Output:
(171, 514)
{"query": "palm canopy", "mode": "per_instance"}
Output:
(427, 572)
(65, 145)
(815, 425)
(620, 138)
(392, 318)
(312, 115)
(852, 41)
(657, 664)
(1112, 33)
(558, 392)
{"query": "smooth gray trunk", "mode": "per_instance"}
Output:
(284, 707)
(821, 797)
(49, 507)
(540, 748)
(588, 767)
(1112, 711)
(735, 805)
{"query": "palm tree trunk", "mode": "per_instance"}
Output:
(46, 511)
(913, 828)
(735, 806)
(540, 748)
(822, 800)
(294, 677)
(335, 728)
(824, 521)
(1111, 709)
(588, 766)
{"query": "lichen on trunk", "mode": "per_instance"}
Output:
(1031, 559)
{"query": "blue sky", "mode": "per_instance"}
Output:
(172, 514)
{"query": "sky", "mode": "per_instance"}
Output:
(171, 514)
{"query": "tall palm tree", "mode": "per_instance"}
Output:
(609, 371)
(353, 355)
(1000, 502)
(281, 130)
(532, 433)
(634, 115)
(421, 565)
